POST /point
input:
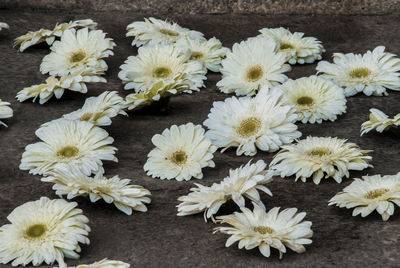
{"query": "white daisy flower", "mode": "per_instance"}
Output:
(5, 111)
(72, 142)
(320, 157)
(252, 64)
(379, 121)
(299, 49)
(262, 122)
(244, 181)
(315, 99)
(44, 35)
(371, 73)
(181, 152)
(154, 31)
(105, 263)
(99, 110)
(78, 50)
(4, 25)
(266, 230)
(43, 231)
(370, 193)
(208, 52)
(71, 181)
(56, 86)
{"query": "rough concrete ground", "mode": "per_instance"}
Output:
(159, 238)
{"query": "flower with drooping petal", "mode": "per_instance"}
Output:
(69, 180)
(262, 122)
(99, 110)
(181, 152)
(44, 35)
(370, 193)
(252, 64)
(154, 31)
(266, 230)
(72, 142)
(379, 121)
(4, 25)
(299, 49)
(319, 158)
(244, 181)
(43, 231)
(315, 99)
(5, 111)
(78, 50)
(371, 73)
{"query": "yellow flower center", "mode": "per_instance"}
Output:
(319, 152)
(305, 100)
(68, 152)
(196, 55)
(263, 230)
(86, 117)
(249, 127)
(284, 46)
(254, 73)
(376, 193)
(77, 56)
(359, 73)
(161, 72)
(169, 32)
(179, 158)
(35, 231)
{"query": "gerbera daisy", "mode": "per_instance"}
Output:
(262, 122)
(43, 231)
(244, 181)
(320, 157)
(371, 73)
(4, 25)
(252, 64)
(105, 263)
(99, 110)
(154, 31)
(71, 181)
(181, 152)
(315, 99)
(44, 35)
(73, 142)
(379, 121)
(266, 230)
(78, 50)
(208, 52)
(370, 193)
(5, 111)
(299, 49)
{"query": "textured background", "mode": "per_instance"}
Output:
(159, 238)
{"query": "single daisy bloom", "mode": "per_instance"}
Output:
(315, 99)
(244, 181)
(252, 64)
(44, 35)
(247, 123)
(43, 231)
(71, 181)
(5, 111)
(4, 25)
(181, 152)
(266, 230)
(78, 50)
(320, 157)
(154, 31)
(371, 73)
(208, 52)
(56, 86)
(299, 49)
(99, 110)
(105, 263)
(72, 142)
(370, 193)
(379, 121)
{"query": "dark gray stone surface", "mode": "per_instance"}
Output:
(159, 238)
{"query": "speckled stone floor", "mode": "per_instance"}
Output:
(159, 238)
